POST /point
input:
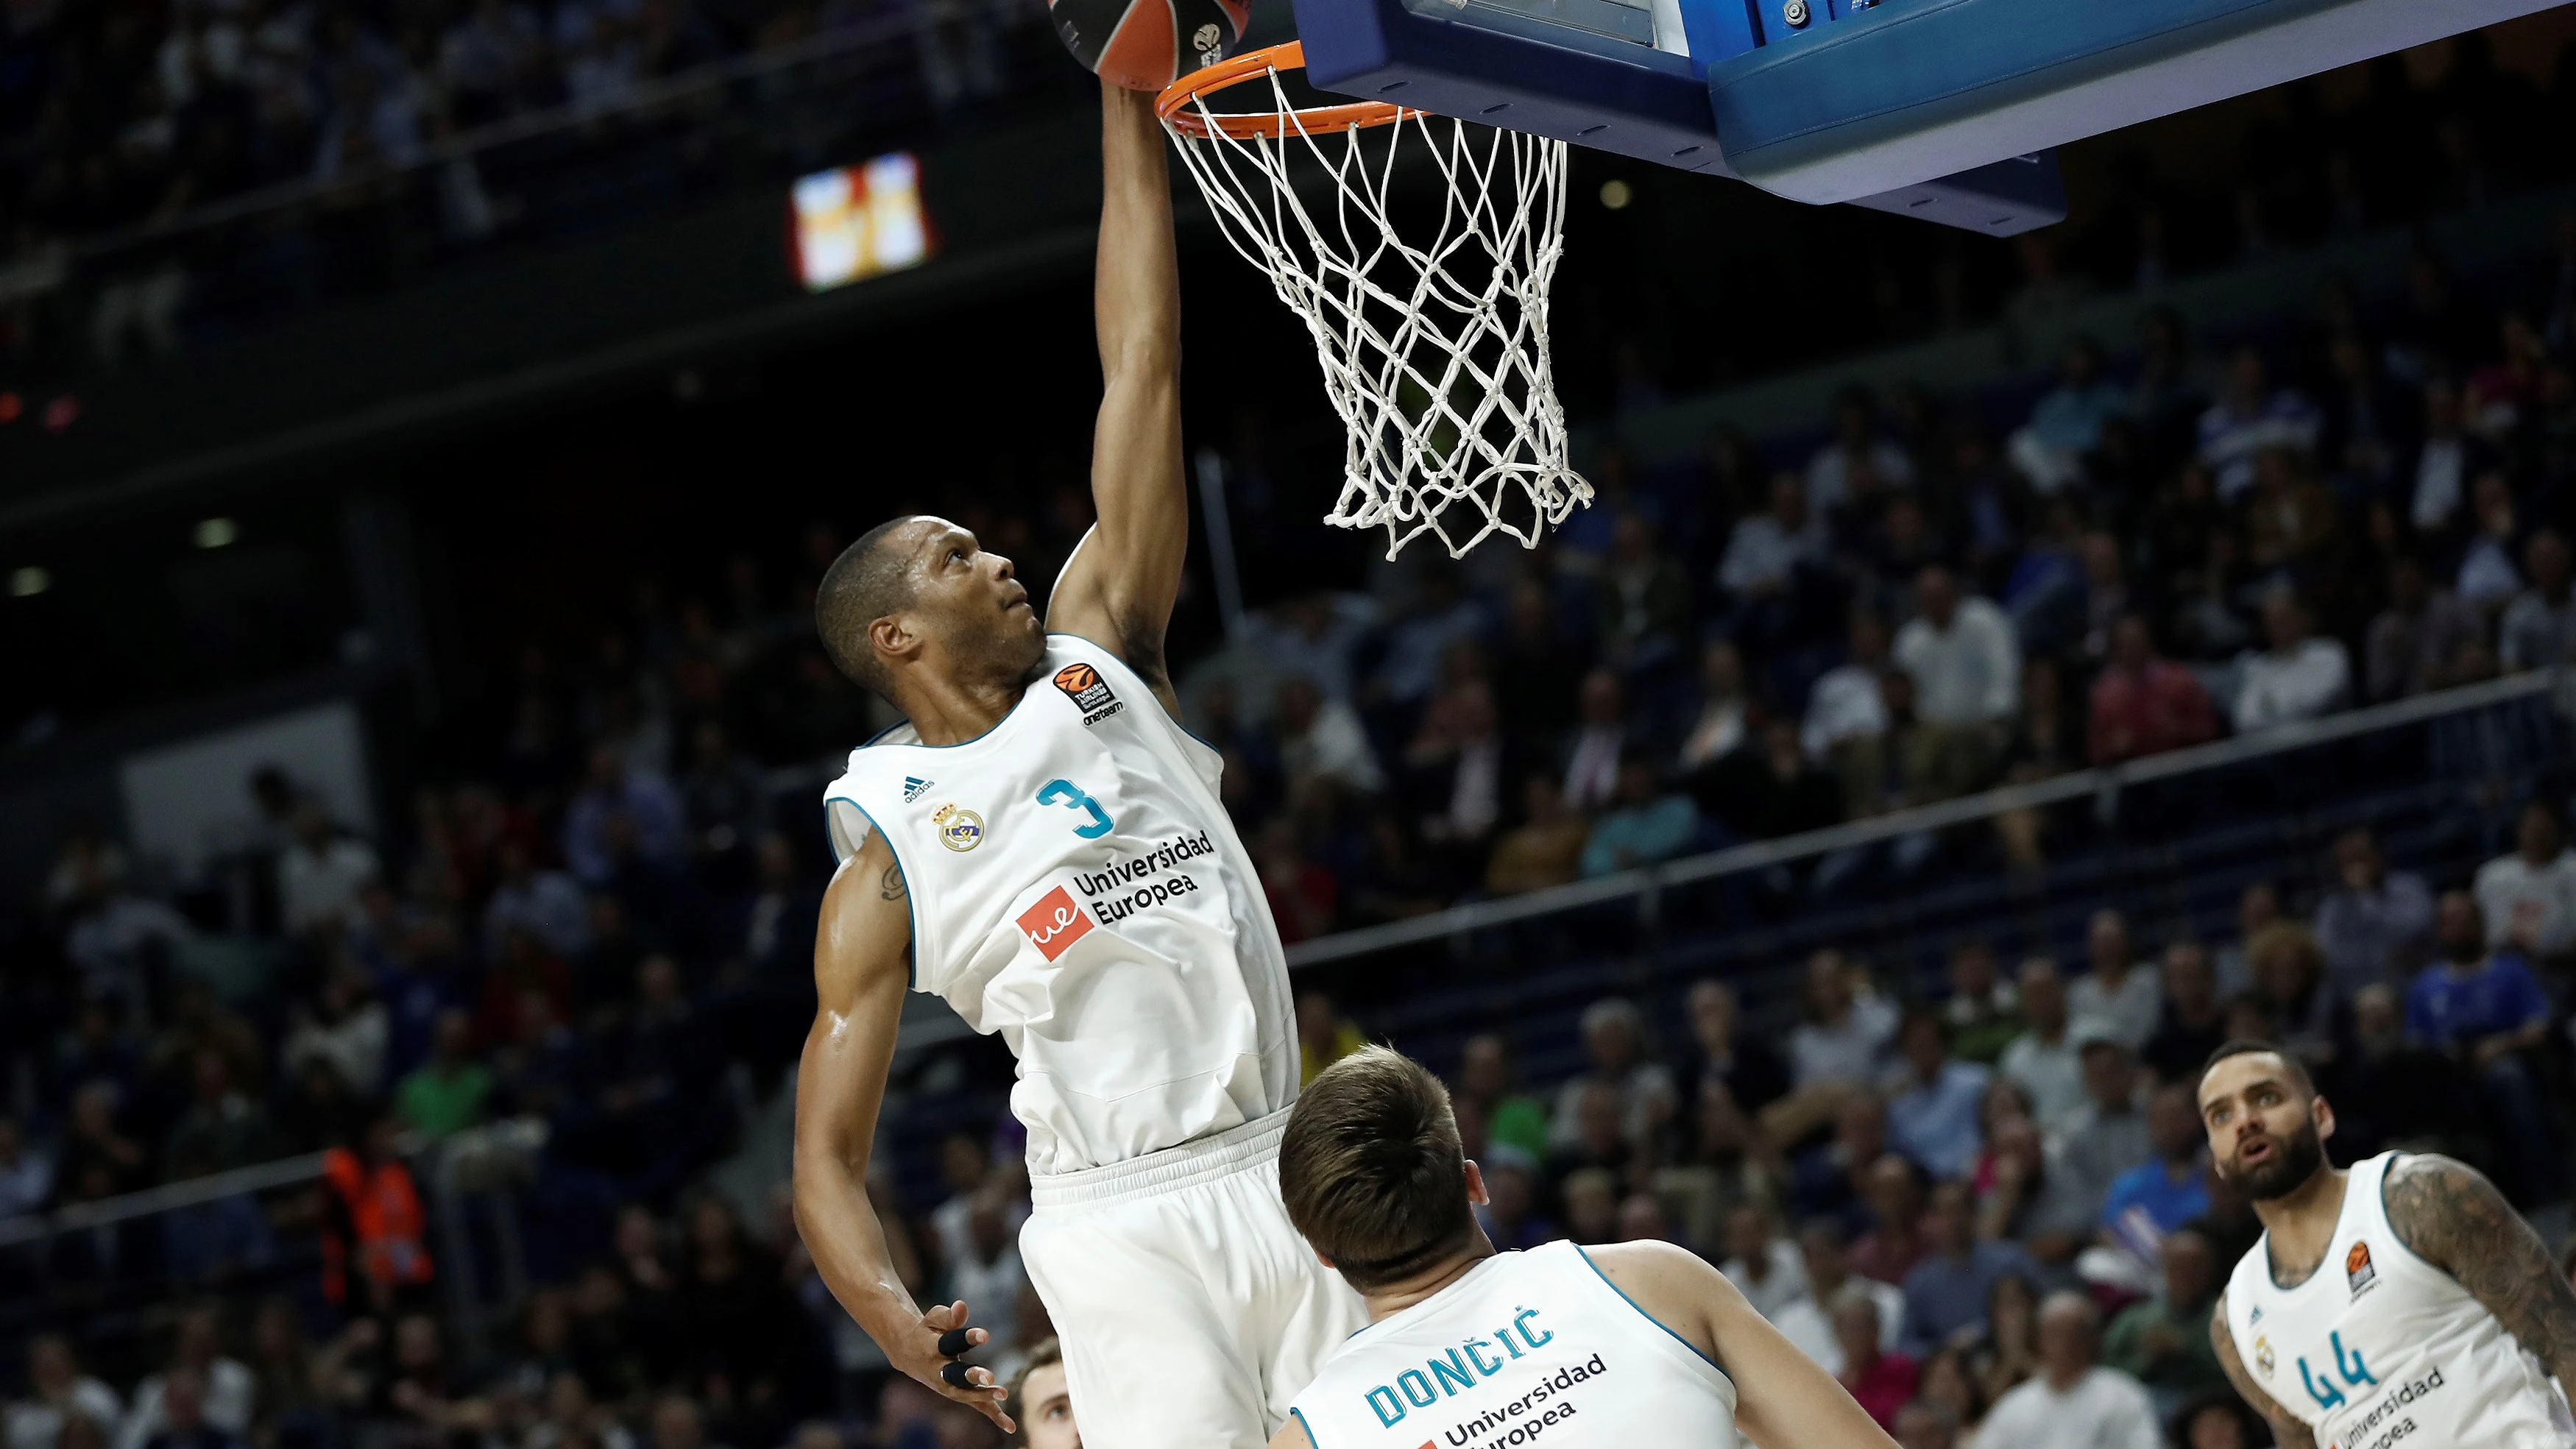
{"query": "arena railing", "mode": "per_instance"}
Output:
(1645, 884)
(484, 1275)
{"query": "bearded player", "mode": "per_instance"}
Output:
(2400, 1301)
(1042, 846)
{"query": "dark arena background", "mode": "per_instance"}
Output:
(1990, 674)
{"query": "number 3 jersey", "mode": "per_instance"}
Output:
(1076, 886)
(2379, 1348)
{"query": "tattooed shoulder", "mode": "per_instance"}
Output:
(2453, 1218)
(890, 885)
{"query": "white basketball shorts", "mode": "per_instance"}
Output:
(1190, 1311)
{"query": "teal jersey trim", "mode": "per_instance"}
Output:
(1695, 1349)
(912, 921)
(1300, 1416)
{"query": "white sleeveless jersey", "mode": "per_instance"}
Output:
(1077, 887)
(2379, 1347)
(1534, 1348)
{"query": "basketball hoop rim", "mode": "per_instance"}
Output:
(1179, 106)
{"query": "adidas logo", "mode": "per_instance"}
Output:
(914, 787)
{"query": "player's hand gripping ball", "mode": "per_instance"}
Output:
(1146, 45)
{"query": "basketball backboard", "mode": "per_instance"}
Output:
(1941, 109)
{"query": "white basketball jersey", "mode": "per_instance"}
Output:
(1534, 1348)
(1077, 887)
(2379, 1347)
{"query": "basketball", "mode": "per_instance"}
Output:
(1146, 45)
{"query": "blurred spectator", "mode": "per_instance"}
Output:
(1645, 825)
(2067, 421)
(203, 1398)
(1459, 766)
(2012, 1353)
(1641, 1089)
(2193, 1023)
(1545, 849)
(1769, 788)
(1324, 1035)
(319, 873)
(1769, 1270)
(2291, 989)
(2143, 704)
(2446, 463)
(1765, 553)
(2218, 1420)
(447, 1094)
(2108, 1135)
(1879, 1381)
(344, 1027)
(1719, 729)
(2297, 676)
(1982, 1012)
(1600, 745)
(1511, 1217)
(2390, 1090)
(624, 813)
(1744, 1063)
(2159, 1195)
(2163, 1341)
(1847, 1026)
(1644, 598)
(2374, 923)
(1591, 1199)
(2412, 641)
(57, 1391)
(1946, 1293)
(2073, 1400)
(2539, 626)
(2486, 1011)
(1513, 1118)
(1961, 655)
(26, 1174)
(1932, 1103)
(2529, 896)
(1924, 1424)
(2116, 990)
(224, 1126)
(2258, 907)
(988, 1275)
(547, 904)
(1895, 1240)
(726, 801)
(1313, 637)
(2249, 417)
(1720, 1168)
(1846, 716)
(2487, 579)
(2044, 1059)
(1808, 1323)
(1857, 449)
(1320, 740)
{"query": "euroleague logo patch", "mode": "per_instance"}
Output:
(1089, 692)
(2357, 1269)
(1054, 923)
(959, 830)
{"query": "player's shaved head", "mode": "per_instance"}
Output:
(871, 579)
(1371, 1171)
(2292, 1069)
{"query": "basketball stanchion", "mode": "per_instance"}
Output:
(1434, 347)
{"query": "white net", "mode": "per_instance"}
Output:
(1435, 351)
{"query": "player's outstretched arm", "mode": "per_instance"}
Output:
(2454, 1219)
(2287, 1429)
(1783, 1399)
(862, 963)
(1118, 588)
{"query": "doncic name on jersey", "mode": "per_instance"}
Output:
(1486, 1422)
(1117, 890)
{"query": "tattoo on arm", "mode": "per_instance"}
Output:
(890, 885)
(2453, 1218)
(2287, 1430)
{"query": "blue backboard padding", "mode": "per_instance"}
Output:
(1913, 88)
(2004, 199)
(1510, 71)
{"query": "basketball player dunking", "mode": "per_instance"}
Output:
(2401, 1301)
(1043, 846)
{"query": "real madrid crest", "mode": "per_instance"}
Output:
(2263, 1356)
(959, 830)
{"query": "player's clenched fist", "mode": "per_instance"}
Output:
(931, 1354)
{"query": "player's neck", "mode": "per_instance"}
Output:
(1394, 1298)
(951, 712)
(2302, 1221)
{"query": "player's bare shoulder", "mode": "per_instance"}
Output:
(866, 924)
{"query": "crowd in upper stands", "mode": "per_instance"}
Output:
(600, 920)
